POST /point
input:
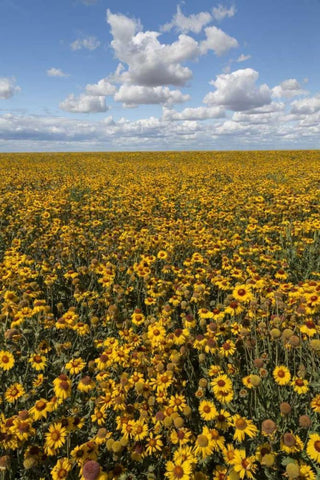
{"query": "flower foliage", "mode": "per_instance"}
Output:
(159, 316)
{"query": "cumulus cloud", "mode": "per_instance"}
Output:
(193, 23)
(101, 88)
(84, 104)
(133, 95)
(150, 63)
(56, 72)
(243, 58)
(222, 12)
(33, 132)
(267, 114)
(89, 43)
(306, 106)
(218, 41)
(288, 89)
(8, 87)
(196, 113)
(237, 91)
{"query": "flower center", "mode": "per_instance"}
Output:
(55, 435)
(178, 471)
(241, 424)
(241, 292)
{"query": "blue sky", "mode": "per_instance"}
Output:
(119, 75)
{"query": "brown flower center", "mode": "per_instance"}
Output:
(241, 424)
(178, 471)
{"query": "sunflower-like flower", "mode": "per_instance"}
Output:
(6, 360)
(313, 447)
(178, 470)
(207, 410)
(243, 427)
(62, 386)
(244, 466)
(55, 437)
(282, 375)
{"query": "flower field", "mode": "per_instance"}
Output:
(160, 316)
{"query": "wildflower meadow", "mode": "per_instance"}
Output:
(160, 316)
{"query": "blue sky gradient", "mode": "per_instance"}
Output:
(212, 75)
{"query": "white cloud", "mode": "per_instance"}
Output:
(195, 113)
(288, 89)
(56, 72)
(222, 12)
(8, 87)
(306, 106)
(150, 63)
(193, 23)
(101, 88)
(133, 95)
(238, 91)
(84, 104)
(243, 130)
(243, 58)
(218, 41)
(90, 43)
(267, 114)
(230, 127)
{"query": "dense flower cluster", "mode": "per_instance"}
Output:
(159, 316)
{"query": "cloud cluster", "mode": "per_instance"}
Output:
(133, 95)
(218, 41)
(288, 89)
(84, 104)
(193, 23)
(88, 43)
(147, 67)
(238, 91)
(102, 87)
(221, 12)
(56, 72)
(8, 87)
(198, 128)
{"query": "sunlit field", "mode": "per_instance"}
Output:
(160, 316)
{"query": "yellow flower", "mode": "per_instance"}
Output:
(204, 446)
(61, 469)
(62, 386)
(300, 385)
(6, 360)
(139, 430)
(55, 437)
(40, 409)
(242, 293)
(306, 472)
(227, 349)
(14, 392)
(291, 443)
(38, 362)
(315, 403)
(75, 366)
(244, 466)
(243, 427)
(153, 444)
(313, 447)
(178, 471)
(282, 375)
(207, 410)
